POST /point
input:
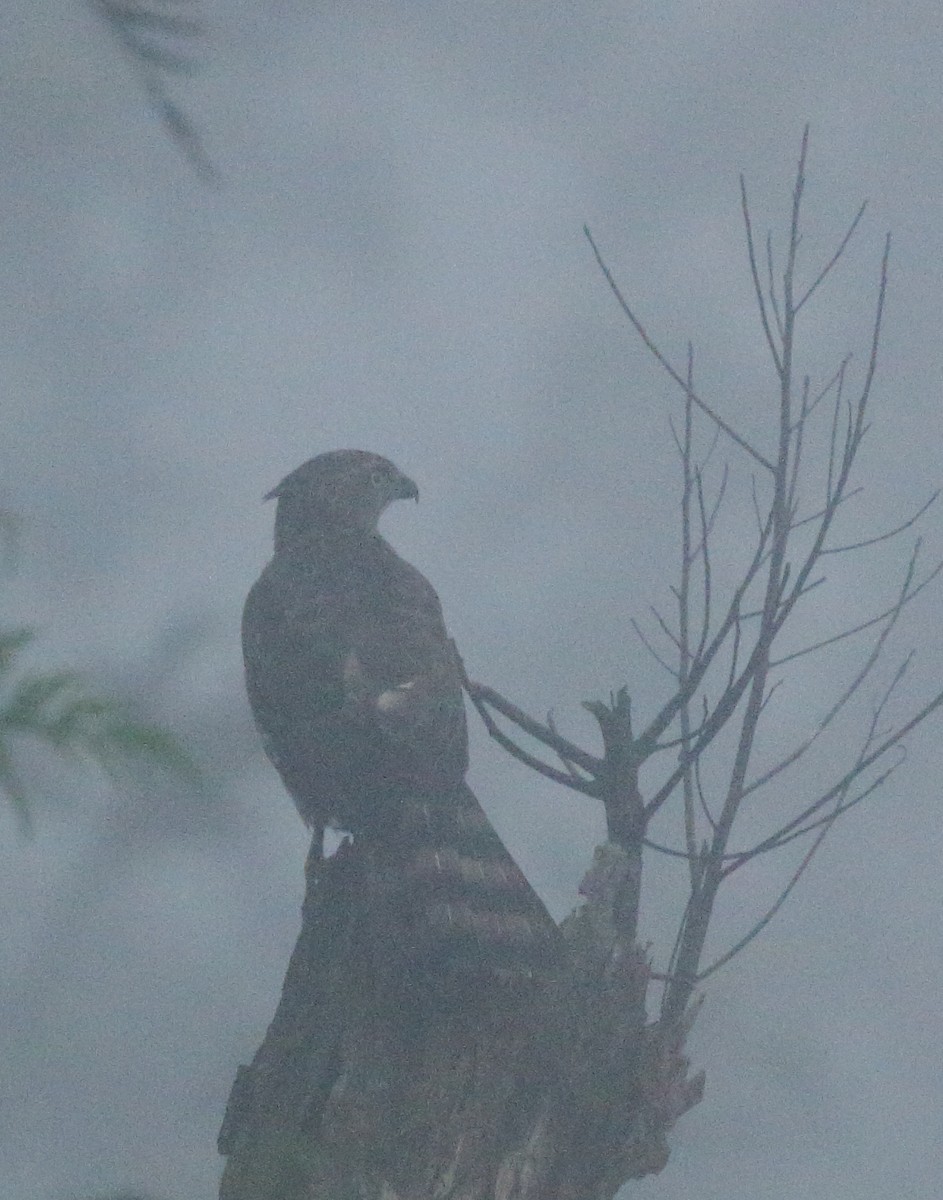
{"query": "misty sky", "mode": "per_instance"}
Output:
(395, 261)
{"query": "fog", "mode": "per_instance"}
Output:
(394, 260)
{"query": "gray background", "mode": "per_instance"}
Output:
(395, 262)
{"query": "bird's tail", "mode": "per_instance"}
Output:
(469, 900)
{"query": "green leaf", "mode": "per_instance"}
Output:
(10, 783)
(31, 699)
(12, 642)
(130, 14)
(57, 708)
(134, 740)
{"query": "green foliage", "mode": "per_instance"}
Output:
(121, 1196)
(60, 710)
(157, 37)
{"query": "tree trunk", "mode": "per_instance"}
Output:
(384, 1077)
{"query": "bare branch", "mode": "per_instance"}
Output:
(675, 438)
(651, 649)
(684, 614)
(724, 710)
(707, 529)
(892, 616)
(756, 506)
(891, 687)
(844, 805)
(700, 666)
(763, 704)
(771, 284)
(738, 858)
(666, 851)
(827, 387)
(835, 257)
(817, 516)
(829, 817)
(571, 767)
(774, 909)
(565, 778)
(710, 450)
(883, 537)
(679, 379)
(481, 695)
(673, 743)
(704, 549)
(833, 439)
(757, 286)
(735, 653)
(875, 338)
(705, 807)
(799, 431)
(846, 780)
(847, 633)
(806, 589)
(663, 625)
(852, 441)
(753, 678)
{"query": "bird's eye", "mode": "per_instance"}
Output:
(378, 478)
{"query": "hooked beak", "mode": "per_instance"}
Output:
(406, 489)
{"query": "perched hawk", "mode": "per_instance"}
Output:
(356, 690)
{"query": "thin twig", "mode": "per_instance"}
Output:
(842, 700)
(705, 807)
(480, 694)
(675, 438)
(875, 337)
(712, 518)
(684, 614)
(679, 379)
(651, 649)
(700, 667)
(774, 909)
(817, 516)
(735, 652)
(771, 284)
(756, 505)
(570, 766)
(830, 816)
(827, 387)
(883, 537)
(798, 430)
(766, 699)
(758, 287)
(755, 674)
(565, 778)
(835, 257)
(704, 548)
(754, 613)
(848, 778)
(833, 439)
(847, 633)
(663, 625)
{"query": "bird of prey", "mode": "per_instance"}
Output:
(356, 690)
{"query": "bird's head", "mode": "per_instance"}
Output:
(343, 489)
